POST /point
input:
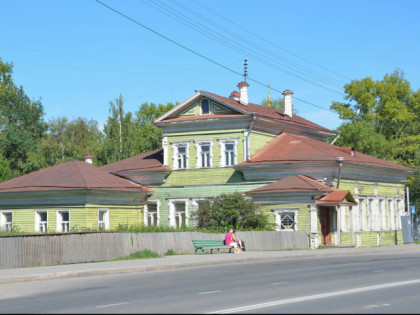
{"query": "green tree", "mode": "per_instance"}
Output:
(230, 211)
(21, 122)
(150, 136)
(121, 133)
(68, 140)
(5, 171)
(382, 119)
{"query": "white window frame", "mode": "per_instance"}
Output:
(279, 212)
(146, 212)
(370, 215)
(172, 213)
(175, 154)
(105, 223)
(381, 214)
(201, 106)
(4, 225)
(222, 145)
(198, 143)
(398, 203)
(41, 226)
(361, 212)
(195, 204)
(390, 208)
(60, 220)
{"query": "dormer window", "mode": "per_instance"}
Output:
(205, 106)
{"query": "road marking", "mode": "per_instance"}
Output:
(314, 297)
(277, 283)
(210, 292)
(379, 270)
(107, 305)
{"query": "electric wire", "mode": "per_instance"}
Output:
(267, 60)
(270, 42)
(196, 53)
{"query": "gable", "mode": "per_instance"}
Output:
(195, 109)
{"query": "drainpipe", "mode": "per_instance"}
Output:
(340, 160)
(254, 116)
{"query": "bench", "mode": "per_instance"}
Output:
(210, 244)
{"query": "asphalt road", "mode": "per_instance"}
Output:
(380, 283)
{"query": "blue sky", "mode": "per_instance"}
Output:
(76, 56)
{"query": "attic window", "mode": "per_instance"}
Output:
(205, 106)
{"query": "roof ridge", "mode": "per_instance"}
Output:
(309, 183)
(81, 173)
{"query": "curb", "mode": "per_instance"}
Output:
(242, 259)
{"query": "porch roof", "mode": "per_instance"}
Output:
(337, 197)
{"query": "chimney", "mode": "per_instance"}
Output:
(88, 158)
(234, 96)
(243, 93)
(288, 107)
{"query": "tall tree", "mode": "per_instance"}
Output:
(21, 122)
(121, 133)
(382, 118)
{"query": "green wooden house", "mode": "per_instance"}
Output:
(212, 145)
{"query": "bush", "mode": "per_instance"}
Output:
(230, 211)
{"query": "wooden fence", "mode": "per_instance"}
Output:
(53, 249)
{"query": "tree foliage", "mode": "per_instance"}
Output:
(230, 211)
(21, 122)
(382, 119)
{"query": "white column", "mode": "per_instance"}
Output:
(314, 226)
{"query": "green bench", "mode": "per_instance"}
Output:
(210, 245)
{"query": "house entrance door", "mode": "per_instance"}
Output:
(325, 220)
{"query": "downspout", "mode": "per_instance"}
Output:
(254, 116)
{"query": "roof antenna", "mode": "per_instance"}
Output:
(245, 68)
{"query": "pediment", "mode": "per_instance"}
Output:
(192, 107)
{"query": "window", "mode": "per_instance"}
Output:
(390, 215)
(370, 214)
(397, 215)
(178, 213)
(180, 154)
(205, 106)
(228, 151)
(381, 214)
(182, 157)
(286, 219)
(41, 221)
(63, 221)
(204, 153)
(152, 214)
(103, 219)
(6, 221)
(361, 214)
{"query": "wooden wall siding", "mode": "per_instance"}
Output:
(388, 238)
(303, 215)
(346, 186)
(216, 149)
(85, 217)
(346, 239)
(203, 177)
(45, 250)
(369, 239)
(366, 189)
(390, 190)
(258, 141)
(164, 194)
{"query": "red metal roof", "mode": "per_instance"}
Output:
(293, 183)
(262, 111)
(148, 161)
(270, 113)
(70, 176)
(288, 148)
(336, 197)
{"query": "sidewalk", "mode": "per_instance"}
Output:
(185, 261)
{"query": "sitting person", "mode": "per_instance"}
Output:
(236, 240)
(228, 241)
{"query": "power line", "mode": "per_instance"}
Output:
(194, 52)
(258, 55)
